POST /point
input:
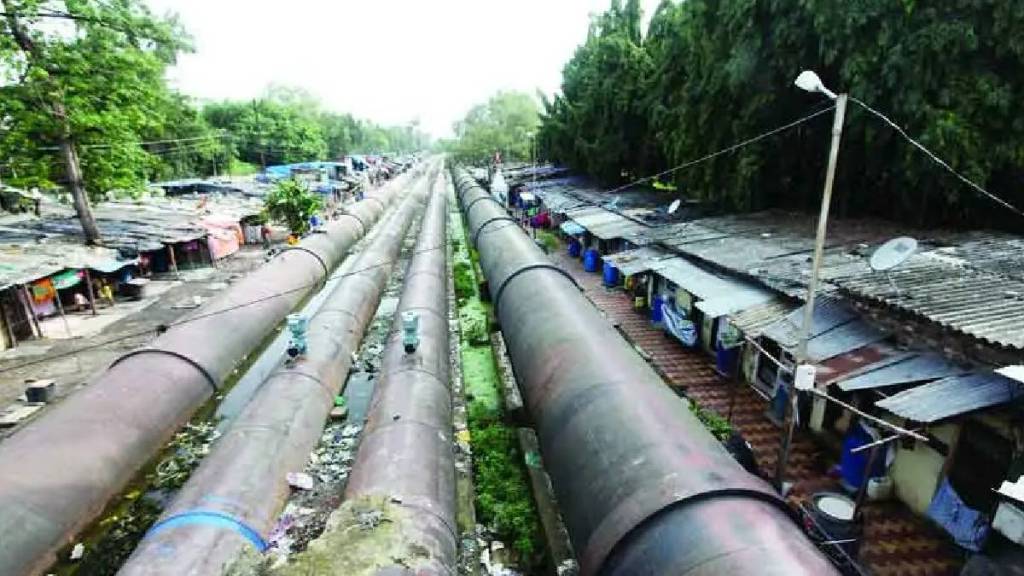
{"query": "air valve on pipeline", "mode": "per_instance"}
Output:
(410, 331)
(297, 324)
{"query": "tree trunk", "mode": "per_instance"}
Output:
(65, 143)
(77, 188)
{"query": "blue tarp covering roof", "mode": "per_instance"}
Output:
(571, 228)
(285, 170)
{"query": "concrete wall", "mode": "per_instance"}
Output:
(916, 471)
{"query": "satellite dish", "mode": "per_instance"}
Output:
(893, 253)
(674, 206)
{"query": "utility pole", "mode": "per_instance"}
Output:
(789, 421)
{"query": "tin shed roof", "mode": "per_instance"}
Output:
(909, 368)
(953, 396)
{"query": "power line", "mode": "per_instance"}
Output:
(938, 160)
(726, 150)
(164, 327)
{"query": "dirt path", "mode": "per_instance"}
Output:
(57, 360)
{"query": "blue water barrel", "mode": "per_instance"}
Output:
(611, 274)
(574, 248)
(591, 260)
(725, 360)
(656, 308)
(853, 467)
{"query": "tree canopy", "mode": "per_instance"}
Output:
(506, 123)
(711, 73)
(91, 74)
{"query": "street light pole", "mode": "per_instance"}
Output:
(819, 241)
(810, 82)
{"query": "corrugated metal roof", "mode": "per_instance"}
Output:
(986, 306)
(909, 368)
(991, 253)
(753, 320)
(736, 299)
(841, 339)
(717, 295)
(829, 312)
(694, 279)
(26, 263)
(952, 396)
(856, 361)
(635, 261)
(622, 228)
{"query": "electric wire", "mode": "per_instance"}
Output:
(934, 158)
(160, 329)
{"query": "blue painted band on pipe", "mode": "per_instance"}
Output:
(210, 518)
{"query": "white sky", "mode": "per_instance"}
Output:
(437, 57)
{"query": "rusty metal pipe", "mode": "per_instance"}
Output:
(405, 457)
(58, 472)
(643, 487)
(233, 499)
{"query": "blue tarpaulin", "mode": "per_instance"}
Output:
(678, 325)
(571, 228)
(967, 526)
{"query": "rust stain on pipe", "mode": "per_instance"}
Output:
(233, 498)
(58, 472)
(642, 485)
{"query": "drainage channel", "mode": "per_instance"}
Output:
(500, 529)
(106, 545)
(318, 490)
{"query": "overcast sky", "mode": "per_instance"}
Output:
(391, 61)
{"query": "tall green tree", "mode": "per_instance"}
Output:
(81, 79)
(711, 73)
(507, 123)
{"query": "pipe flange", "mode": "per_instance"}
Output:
(206, 373)
(476, 235)
(527, 268)
(486, 197)
(327, 271)
(357, 219)
(377, 200)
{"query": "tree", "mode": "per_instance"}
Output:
(83, 76)
(711, 73)
(506, 123)
(292, 203)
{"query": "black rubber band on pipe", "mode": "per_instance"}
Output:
(327, 271)
(506, 218)
(206, 374)
(487, 197)
(377, 200)
(527, 268)
(357, 219)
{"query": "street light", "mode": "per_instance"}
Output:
(809, 81)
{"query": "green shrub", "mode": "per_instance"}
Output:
(717, 425)
(465, 282)
(292, 203)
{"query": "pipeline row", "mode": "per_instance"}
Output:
(58, 472)
(233, 498)
(643, 487)
(406, 453)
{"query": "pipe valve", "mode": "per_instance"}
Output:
(410, 331)
(297, 324)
